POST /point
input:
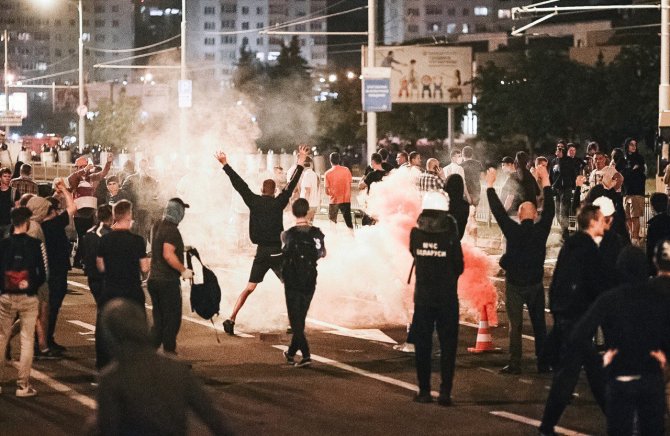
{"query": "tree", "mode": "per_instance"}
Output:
(115, 123)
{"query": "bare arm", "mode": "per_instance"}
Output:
(100, 263)
(70, 207)
(102, 174)
(171, 257)
(145, 264)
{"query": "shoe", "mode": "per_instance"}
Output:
(509, 369)
(57, 347)
(305, 361)
(445, 401)
(229, 327)
(27, 391)
(47, 354)
(289, 331)
(423, 397)
(289, 359)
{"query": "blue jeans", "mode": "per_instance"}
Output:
(26, 308)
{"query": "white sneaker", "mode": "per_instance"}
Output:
(27, 391)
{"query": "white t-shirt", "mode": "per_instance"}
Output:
(454, 168)
(310, 180)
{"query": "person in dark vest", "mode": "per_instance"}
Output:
(436, 248)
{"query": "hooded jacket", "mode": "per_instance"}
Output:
(634, 174)
(635, 319)
(141, 392)
(436, 249)
(458, 207)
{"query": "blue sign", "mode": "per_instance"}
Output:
(377, 95)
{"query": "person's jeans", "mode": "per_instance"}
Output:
(566, 375)
(563, 208)
(26, 308)
(82, 223)
(297, 305)
(345, 208)
(646, 397)
(57, 291)
(166, 300)
(533, 297)
(445, 320)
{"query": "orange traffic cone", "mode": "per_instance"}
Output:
(484, 340)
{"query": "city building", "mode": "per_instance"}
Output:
(219, 29)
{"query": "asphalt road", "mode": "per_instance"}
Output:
(358, 384)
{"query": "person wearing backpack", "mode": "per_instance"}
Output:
(167, 266)
(303, 246)
(266, 216)
(24, 269)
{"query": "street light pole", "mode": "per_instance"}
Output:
(5, 37)
(182, 110)
(80, 109)
(372, 36)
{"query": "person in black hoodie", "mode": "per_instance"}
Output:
(577, 282)
(436, 248)
(523, 262)
(459, 208)
(658, 227)
(636, 324)
(634, 179)
(265, 226)
(565, 173)
(142, 392)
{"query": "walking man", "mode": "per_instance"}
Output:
(167, 266)
(436, 248)
(338, 188)
(303, 246)
(24, 269)
(577, 282)
(523, 262)
(90, 250)
(265, 226)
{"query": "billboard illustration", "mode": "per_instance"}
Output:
(428, 74)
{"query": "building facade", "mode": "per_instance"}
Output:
(219, 29)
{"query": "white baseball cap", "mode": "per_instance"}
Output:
(605, 204)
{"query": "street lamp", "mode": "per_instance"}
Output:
(81, 108)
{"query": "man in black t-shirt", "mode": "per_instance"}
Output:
(376, 175)
(167, 266)
(58, 254)
(6, 200)
(122, 257)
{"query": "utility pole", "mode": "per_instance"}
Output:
(5, 37)
(81, 110)
(182, 110)
(372, 36)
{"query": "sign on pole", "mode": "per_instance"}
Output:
(428, 74)
(185, 88)
(11, 118)
(376, 89)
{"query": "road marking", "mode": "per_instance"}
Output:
(374, 335)
(534, 422)
(78, 285)
(362, 372)
(87, 326)
(61, 388)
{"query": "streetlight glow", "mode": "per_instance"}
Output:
(332, 78)
(350, 75)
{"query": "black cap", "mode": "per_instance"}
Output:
(508, 160)
(180, 201)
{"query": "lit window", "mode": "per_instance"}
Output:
(451, 27)
(481, 11)
(504, 14)
(435, 27)
(466, 28)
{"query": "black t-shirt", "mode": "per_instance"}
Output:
(122, 250)
(58, 245)
(5, 206)
(373, 177)
(165, 232)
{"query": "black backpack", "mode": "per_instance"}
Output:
(205, 296)
(299, 258)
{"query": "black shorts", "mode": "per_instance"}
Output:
(267, 258)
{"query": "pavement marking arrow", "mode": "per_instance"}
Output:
(534, 422)
(365, 334)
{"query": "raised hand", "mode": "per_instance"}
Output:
(490, 177)
(110, 157)
(303, 151)
(221, 157)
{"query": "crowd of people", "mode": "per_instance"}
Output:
(602, 276)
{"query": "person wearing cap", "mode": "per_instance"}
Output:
(635, 320)
(435, 245)
(83, 183)
(523, 262)
(167, 267)
(611, 244)
(606, 187)
(266, 222)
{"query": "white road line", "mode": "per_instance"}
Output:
(362, 372)
(328, 325)
(534, 422)
(87, 326)
(77, 285)
(61, 388)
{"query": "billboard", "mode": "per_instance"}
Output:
(18, 103)
(428, 74)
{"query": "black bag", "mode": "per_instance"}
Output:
(299, 258)
(16, 269)
(206, 296)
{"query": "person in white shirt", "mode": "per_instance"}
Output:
(455, 166)
(309, 189)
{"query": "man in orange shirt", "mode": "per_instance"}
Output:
(338, 188)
